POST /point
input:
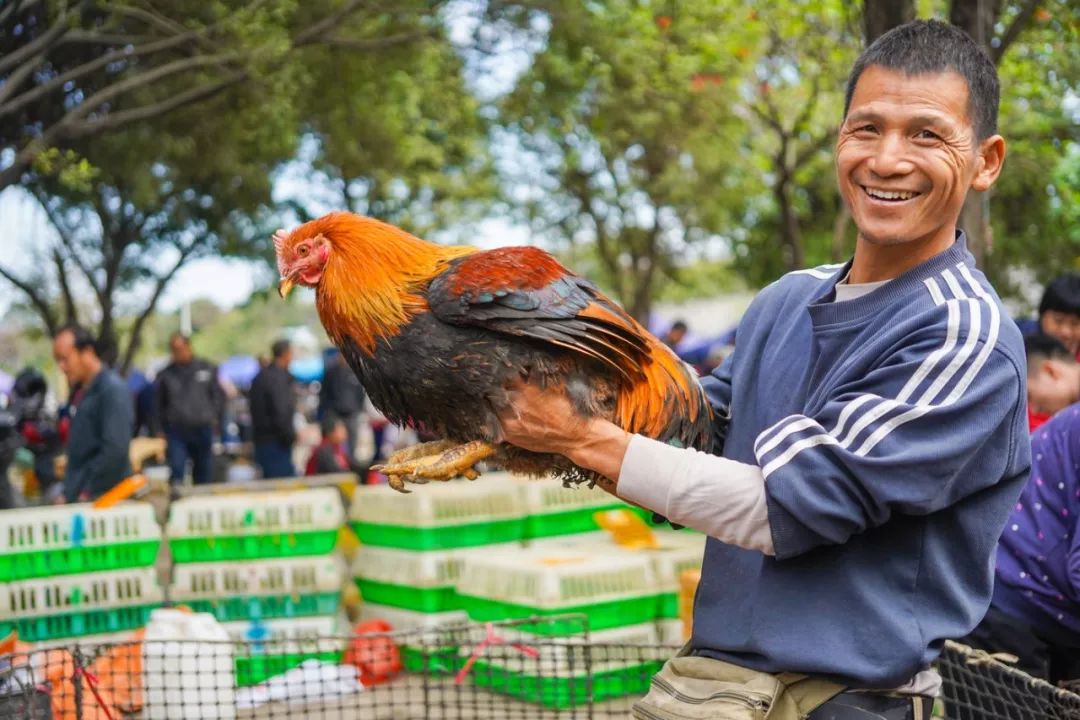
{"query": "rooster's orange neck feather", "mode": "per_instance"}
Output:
(372, 280)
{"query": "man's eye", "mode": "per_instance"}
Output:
(927, 135)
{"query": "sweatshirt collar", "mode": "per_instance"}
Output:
(825, 312)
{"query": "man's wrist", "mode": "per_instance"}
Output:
(601, 449)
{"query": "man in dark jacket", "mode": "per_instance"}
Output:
(189, 406)
(272, 408)
(102, 417)
(341, 395)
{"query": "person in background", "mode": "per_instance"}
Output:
(37, 427)
(1059, 313)
(341, 395)
(1053, 378)
(329, 455)
(189, 404)
(1035, 611)
(102, 418)
(675, 335)
(273, 405)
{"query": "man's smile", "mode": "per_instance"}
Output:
(892, 197)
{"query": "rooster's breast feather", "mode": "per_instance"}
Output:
(525, 292)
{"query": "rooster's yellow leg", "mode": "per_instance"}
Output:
(457, 460)
(414, 452)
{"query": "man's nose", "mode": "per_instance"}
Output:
(892, 157)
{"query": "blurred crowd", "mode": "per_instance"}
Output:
(211, 427)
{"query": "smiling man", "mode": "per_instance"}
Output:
(877, 435)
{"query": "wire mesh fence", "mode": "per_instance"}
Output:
(533, 669)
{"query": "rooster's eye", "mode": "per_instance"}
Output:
(303, 250)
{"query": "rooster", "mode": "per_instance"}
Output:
(437, 334)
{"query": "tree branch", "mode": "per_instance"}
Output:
(1027, 10)
(148, 112)
(15, 80)
(145, 78)
(47, 39)
(380, 43)
(35, 298)
(64, 233)
(311, 33)
(159, 287)
(71, 314)
(814, 147)
(89, 67)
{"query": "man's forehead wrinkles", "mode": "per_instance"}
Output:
(878, 113)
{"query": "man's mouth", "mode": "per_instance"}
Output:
(894, 196)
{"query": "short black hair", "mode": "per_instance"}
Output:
(180, 336)
(923, 47)
(1041, 347)
(328, 424)
(83, 338)
(679, 325)
(279, 348)
(1062, 295)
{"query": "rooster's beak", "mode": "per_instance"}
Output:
(285, 286)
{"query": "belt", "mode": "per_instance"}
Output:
(886, 707)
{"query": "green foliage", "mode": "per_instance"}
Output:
(626, 121)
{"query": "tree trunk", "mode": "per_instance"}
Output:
(790, 235)
(975, 222)
(976, 18)
(839, 251)
(880, 16)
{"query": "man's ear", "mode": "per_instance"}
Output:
(989, 163)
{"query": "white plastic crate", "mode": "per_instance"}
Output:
(555, 579)
(546, 496)
(278, 630)
(65, 526)
(677, 551)
(401, 619)
(240, 514)
(670, 632)
(82, 593)
(285, 576)
(436, 504)
(599, 651)
(417, 568)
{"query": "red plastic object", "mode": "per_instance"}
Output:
(376, 657)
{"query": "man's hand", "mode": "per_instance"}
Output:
(546, 422)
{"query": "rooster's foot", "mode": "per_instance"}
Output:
(440, 460)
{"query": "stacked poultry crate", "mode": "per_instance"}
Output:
(552, 510)
(580, 602)
(414, 545)
(264, 565)
(74, 571)
(670, 554)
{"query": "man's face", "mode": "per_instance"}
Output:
(70, 361)
(180, 351)
(1052, 385)
(1063, 326)
(907, 154)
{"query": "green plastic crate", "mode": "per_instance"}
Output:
(440, 661)
(567, 691)
(441, 537)
(566, 522)
(268, 606)
(602, 615)
(669, 606)
(247, 547)
(78, 624)
(66, 561)
(429, 600)
(253, 669)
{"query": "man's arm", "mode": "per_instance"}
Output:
(874, 448)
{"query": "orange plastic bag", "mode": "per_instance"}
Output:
(376, 657)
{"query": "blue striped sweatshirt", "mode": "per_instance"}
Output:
(891, 432)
